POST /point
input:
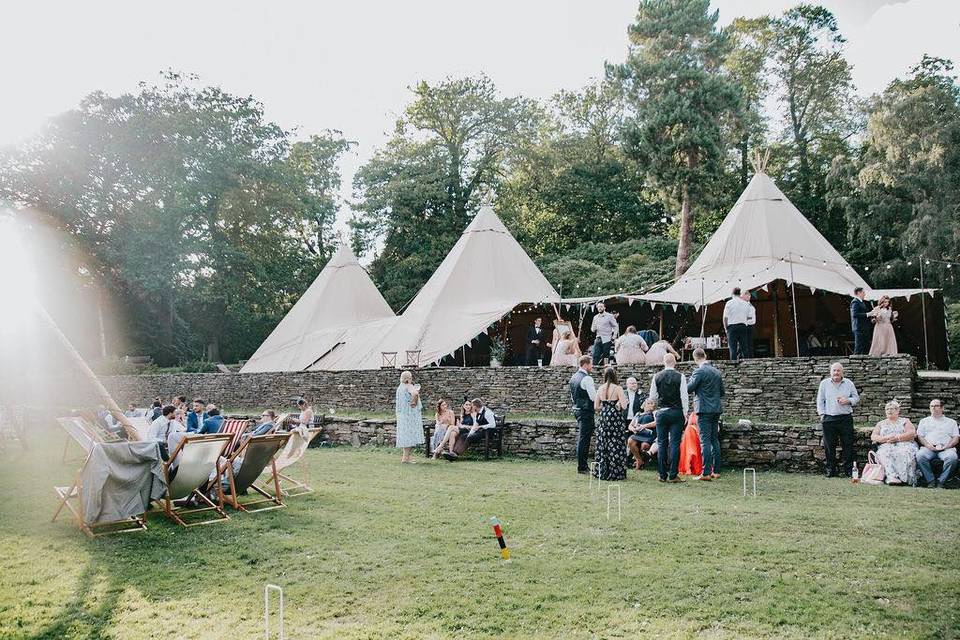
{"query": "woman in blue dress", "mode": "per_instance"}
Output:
(409, 417)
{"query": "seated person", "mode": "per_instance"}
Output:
(446, 432)
(481, 417)
(896, 450)
(161, 429)
(630, 347)
(642, 435)
(155, 410)
(265, 426)
(939, 436)
(213, 422)
(566, 352)
(305, 419)
(659, 349)
(196, 417)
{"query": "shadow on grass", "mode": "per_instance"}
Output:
(74, 613)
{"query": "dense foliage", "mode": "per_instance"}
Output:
(210, 220)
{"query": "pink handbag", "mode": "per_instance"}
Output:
(872, 471)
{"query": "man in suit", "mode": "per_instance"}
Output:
(634, 399)
(535, 341)
(707, 384)
(583, 392)
(196, 417)
(860, 323)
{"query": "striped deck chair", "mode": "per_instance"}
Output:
(254, 455)
(235, 427)
(84, 433)
(295, 449)
(188, 470)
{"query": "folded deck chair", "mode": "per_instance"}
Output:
(253, 456)
(113, 488)
(189, 468)
(84, 433)
(295, 449)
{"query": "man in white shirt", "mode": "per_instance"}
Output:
(606, 328)
(161, 429)
(751, 325)
(939, 436)
(634, 399)
(583, 392)
(669, 390)
(735, 315)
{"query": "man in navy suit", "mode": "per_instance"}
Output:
(860, 323)
(707, 384)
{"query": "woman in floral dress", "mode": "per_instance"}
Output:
(409, 417)
(897, 451)
(611, 457)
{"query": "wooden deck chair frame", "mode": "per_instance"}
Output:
(275, 499)
(68, 494)
(168, 504)
(78, 429)
(289, 487)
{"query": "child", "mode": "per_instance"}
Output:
(642, 435)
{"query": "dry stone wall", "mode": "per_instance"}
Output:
(776, 390)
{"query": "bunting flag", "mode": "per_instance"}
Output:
(674, 308)
(653, 306)
(813, 290)
(629, 302)
(766, 287)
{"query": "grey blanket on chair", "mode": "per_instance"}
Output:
(120, 479)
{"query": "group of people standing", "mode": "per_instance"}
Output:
(872, 328)
(612, 413)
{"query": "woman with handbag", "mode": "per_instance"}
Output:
(897, 451)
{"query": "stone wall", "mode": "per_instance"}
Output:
(944, 385)
(788, 447)
(776, 390)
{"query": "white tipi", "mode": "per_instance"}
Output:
(341, 299)
(764, 238)
(485, 275)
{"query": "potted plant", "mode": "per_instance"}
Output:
(498, 351)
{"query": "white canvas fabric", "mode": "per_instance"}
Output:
(756, 244)
(341, 300)
(485, 275)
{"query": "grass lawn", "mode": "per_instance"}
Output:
(384, 551)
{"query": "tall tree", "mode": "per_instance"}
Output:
(681, 96)
(747, 66)
(902, 198)
(819, 107)
(572, 182)
(417, 193)
(187, 206)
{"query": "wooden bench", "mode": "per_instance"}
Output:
(492, 437)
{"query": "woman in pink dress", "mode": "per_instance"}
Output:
(566, 352)
(659, 349)
(884, 340)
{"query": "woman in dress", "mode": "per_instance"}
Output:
(566, 353)
(306, 413)
(884, 339)
(691, 456)
(897, 451)
(659, 349)
(611, 462)
(642, 436)
(630, 347)
(445, 432)
(409, 417)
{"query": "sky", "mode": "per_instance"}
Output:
(348, 65)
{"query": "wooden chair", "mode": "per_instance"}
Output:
(493, 437)
(292, 453)
(188, 470)
(71, 497)
(84, 433)
(255, 453)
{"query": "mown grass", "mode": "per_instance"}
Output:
(382, 550)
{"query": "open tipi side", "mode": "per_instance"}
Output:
(341, 299)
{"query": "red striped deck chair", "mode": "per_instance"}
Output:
(235, 427)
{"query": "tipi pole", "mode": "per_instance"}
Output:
(923, 312)
(793, 294)
(105, 397)
(703, 322)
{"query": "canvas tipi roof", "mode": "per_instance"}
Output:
(341, 299)
(485, 275)
(762, 239)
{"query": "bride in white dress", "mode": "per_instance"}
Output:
(566, 350)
